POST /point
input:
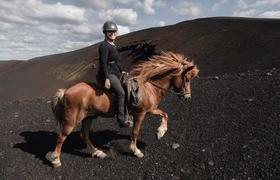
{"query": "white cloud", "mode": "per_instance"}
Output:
(123, 30)
(95, 4)
(188, 9)
(65, 29)
(72, 45)
(124, 1)
(10, 17)
(260, 8)
(261, 3)
(16, 44)
(246, 13)
(32, 11)
(242, 4)
(218, 4)
(162, 23)
(125, 17)
(5, 26)
(6, 50)
(31, 28)
(99, 4)
(270, 14)
(48, 30)
(28, 39)
(148, 6)
(59, 13)
(244, 9)
(3, 37)
(30, 49)
(160, 4)
(83, 29)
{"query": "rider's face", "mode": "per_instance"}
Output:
(112, 35)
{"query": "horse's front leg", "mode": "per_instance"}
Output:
(86, 124)
(163, 126)
(139, 117)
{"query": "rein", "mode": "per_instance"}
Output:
(157, 86)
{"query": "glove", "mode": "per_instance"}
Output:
(107, 84)
(124, 73)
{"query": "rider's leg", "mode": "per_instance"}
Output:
(118, 89)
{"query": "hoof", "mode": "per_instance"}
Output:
(53, 159)
(100, 154)
(160, 134)
(56, 163)
(139, 154)
(130, 123)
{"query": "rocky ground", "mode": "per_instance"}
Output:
(229, 130)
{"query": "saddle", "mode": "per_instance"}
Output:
(132, 92)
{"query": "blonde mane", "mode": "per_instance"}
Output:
(160, 64)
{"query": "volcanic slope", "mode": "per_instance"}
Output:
(218, 45)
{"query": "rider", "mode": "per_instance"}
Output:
(110, 69)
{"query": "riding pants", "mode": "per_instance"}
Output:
(120, 94)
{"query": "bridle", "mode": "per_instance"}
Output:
(182, 93)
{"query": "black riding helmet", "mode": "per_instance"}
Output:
(109, 26)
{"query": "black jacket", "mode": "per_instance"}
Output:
(109, 61)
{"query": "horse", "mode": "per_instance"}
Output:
(83, 102)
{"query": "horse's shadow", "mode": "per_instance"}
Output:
(39, 143)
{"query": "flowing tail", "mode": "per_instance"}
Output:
(57, 105)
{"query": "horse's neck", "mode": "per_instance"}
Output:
(161, 86)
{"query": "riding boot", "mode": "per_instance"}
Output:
(124, 121)
(123, 117)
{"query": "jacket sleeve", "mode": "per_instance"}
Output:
(103, 55)
(119, 63)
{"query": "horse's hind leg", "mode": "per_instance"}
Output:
(62, 135)
(86, 124)
(68, 125)
(163, 126)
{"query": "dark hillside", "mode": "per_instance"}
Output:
(218, 45)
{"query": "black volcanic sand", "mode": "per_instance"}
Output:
(229, 130)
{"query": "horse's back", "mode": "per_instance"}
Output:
(79, 89)
(89, 95)
(79, 93)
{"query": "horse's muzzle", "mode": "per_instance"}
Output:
(187, 97)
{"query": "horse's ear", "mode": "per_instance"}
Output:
(189, 69)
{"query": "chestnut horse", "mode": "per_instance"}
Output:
(83, 102)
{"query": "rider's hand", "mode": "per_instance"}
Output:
(107, 83)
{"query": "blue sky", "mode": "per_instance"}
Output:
(32, 28)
